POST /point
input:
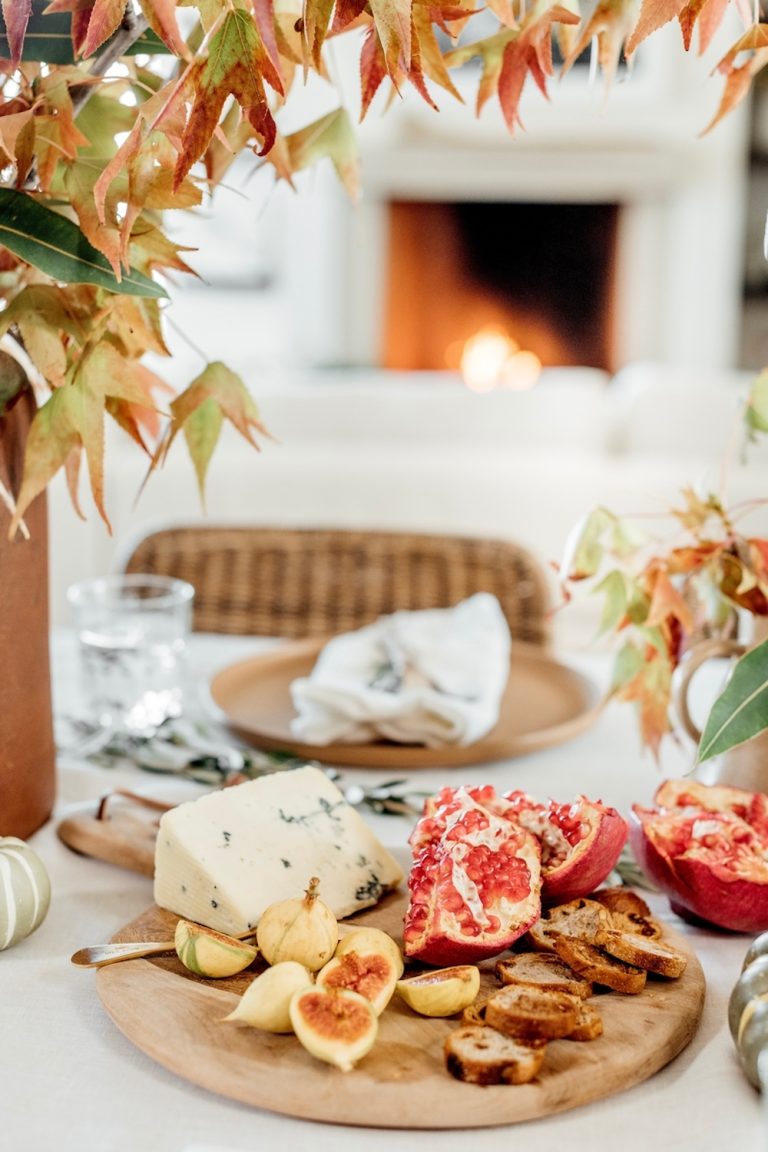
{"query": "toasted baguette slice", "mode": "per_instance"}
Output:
(638, 925)
(621, 899)
(598, 966)
(649, 954)
(582, 918)
(542, 970)
(475, 1013)
(629, 912)
(589, 1024)
(532, 1013)
(483, 1056)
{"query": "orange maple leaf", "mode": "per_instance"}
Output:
(667, 603)
(491, 54)
(742, 585)
(709, 16)
(264, 15)
(392, 19)
(425, 56)
(105, 18)
(691, 558)
(610, 22)
(654, 14)
(81, 16)
(759, 550)
(11, 127)
(104, 235)
(161, 17)
(346, 13)
(509, 56)
(738, 79)
(649, 689)
(529, 53)
(373, 69)
(237, 65)
(57, 133)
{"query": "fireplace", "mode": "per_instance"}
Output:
(658, 210)
(541, 274)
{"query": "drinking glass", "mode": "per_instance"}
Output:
(132, 633)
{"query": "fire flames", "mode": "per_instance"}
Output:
(491, 359)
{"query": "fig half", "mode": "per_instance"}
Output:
(209, 953)
(365, 940)
(334, 1024)
(266, 1001)
(372, 974)
(443, 992)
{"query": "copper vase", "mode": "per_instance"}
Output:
(27, 755)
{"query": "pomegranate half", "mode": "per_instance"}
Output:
(706, 847)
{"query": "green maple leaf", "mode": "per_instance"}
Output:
(199, 412)
(585, 546)
(491, 53)
(331, 136)
(101, 119)
(72, 420)
(317, 19)
(614, 587)
(628, 663)
(757, 407)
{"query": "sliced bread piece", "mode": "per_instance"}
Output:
(621, 899)
(475, 1013)
(584, 919)
(542, 970)
(529, 1013)
(629, 911)
(483, 1056)
(637, 925)
(596, 965)
(589, 1024)
(643, 953)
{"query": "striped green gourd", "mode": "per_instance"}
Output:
(25, 891)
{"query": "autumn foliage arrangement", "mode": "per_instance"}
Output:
(663, 594)
(115, 113)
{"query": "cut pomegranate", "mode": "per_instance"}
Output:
(706, 848)
(475, 882)
(580, 844)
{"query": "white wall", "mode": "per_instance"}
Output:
(423, 453)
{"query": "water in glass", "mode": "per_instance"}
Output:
(132, 634)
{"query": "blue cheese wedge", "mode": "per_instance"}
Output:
(222, 859)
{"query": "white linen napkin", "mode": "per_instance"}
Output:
(428, 677)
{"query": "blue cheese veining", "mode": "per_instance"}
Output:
(222, 859)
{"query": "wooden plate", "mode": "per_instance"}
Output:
(176, 1019)
(545, 703)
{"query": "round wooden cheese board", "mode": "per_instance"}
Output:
(177, 1020)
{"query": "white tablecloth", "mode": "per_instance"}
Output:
(69, 1079)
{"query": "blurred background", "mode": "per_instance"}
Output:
(500, 334)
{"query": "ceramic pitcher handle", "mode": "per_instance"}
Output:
(698, 655)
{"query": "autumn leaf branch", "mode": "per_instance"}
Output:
(132, 27)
